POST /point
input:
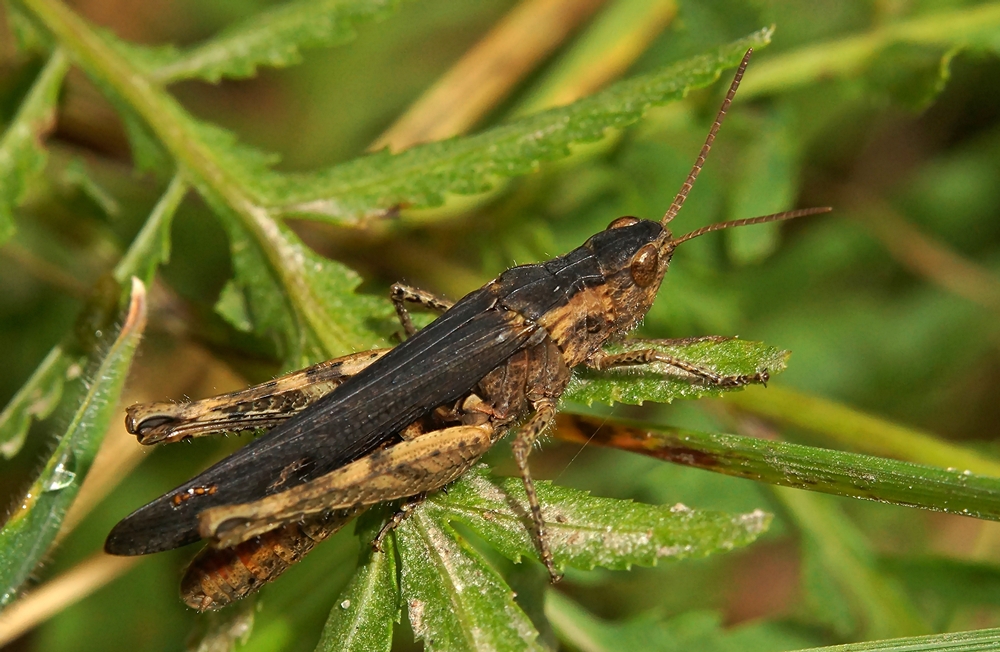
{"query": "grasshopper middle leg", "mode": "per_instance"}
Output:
(402, 294)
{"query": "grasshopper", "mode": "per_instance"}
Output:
(502, 354)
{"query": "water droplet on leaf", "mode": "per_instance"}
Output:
(63, 474)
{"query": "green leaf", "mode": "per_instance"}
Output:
(22, 156)
(26, 536)
(320, 318)
(912, 75)
(272, 38)
(662, 383)
(455, 600)
(973, 641)
(232, 306)
(974, 27)
(363, 615)
(804, 467)
(75, 175)
(420, 177)
(586, 531)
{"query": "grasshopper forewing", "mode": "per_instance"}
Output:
(506, 350)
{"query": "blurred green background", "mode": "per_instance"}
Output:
(889, 304)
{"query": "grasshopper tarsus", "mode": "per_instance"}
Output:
(404, 512)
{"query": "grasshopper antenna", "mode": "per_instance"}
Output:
(774, 217)
(693, 175)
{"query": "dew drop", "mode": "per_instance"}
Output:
(345, 604)
(63, 473)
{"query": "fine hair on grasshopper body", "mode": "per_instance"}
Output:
(502, 354)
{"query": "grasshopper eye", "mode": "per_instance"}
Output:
(644, 264)
(618, 223)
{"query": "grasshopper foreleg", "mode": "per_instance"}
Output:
(408, 468)
(402, 294)
(545, 412)
(601, 361)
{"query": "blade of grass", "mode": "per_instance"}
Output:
(36, 399)
(26, 536)
(803, 467)
(849, 427)
(972, 641)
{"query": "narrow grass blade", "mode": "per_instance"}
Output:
(803, 467)
(35, 522)
(974, 641)
(860, 431)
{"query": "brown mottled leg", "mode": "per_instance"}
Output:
(403, 513)
(401, 294)
(545, 412)
(406, 469)
(601, 361)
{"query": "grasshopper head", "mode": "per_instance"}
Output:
(633, 255)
